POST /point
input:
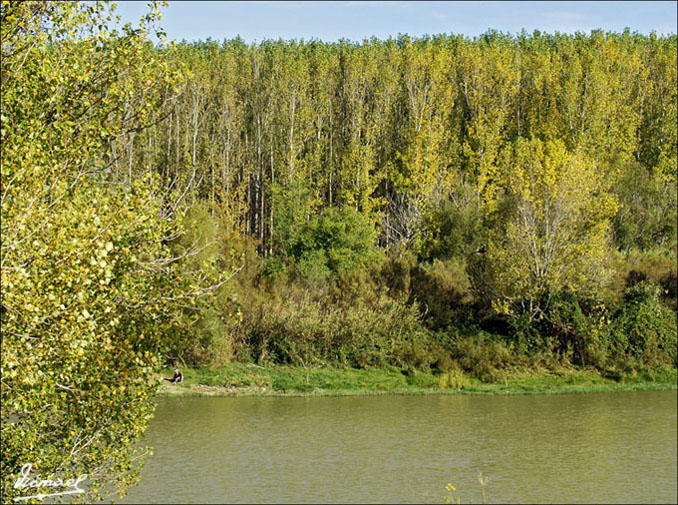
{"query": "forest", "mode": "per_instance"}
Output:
(440, 203)
(398, 202)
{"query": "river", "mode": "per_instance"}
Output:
(573, 448)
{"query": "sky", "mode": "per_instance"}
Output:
(355, 20)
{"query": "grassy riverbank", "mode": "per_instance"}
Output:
(239, 379)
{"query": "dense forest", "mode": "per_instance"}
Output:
(397, 202)
(438, 203)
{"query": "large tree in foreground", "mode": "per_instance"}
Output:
(86, 280)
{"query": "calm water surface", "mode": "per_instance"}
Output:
(607, 447)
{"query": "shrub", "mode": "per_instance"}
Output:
(396, 274)
(444, 291)
(275, 268)
(644, 329)
(313, 266)
(336, 240)
(658, 266)
(456, 225)
(452, 379)
(201, 260)
(576, 325)
(482, 355)
(305, 331)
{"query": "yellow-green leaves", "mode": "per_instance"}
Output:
(557, 212)
(73, 298)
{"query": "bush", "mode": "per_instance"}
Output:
(644, 329)
(483, 355)
(456, 225)
(304, 332)
(313, 266)
(453, 379)
(396, 274)
(336, 240)
(576, 325)
(659, 267)
(444, 291)
(202, 260)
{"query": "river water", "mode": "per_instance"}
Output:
(587, 448)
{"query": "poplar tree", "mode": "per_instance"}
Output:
(86, 279)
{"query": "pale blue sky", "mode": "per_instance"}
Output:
(356, 20)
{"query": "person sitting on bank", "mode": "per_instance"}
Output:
(176, 379)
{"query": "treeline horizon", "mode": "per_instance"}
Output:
(367, 125)
(490, 32)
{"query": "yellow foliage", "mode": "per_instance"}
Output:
(557, 233)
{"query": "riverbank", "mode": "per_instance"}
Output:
(239, 379)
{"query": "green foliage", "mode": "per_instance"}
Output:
(275, 267)
(644, 328)
(454, 379)
(658, 129)
(274, 131)
(305, 332)
(293, 205)
(82, 335)
(199, 262)
(395, 274)
(456, 225)
(647, 215)
(657, 266)
(485, 356)
(85, 275)
(578, 326)
(444, 291)
(556, 236)
(336, 240)
(494, 168)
